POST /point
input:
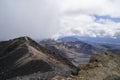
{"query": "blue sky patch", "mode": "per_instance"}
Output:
(106, 17)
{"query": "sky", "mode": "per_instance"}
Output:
(41, 19)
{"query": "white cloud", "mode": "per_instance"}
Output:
(99, 7)
(78, 18)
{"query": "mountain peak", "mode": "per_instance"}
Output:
(24, 38)
(24, 56)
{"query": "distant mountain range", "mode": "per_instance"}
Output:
(91, 40)
(106, 42)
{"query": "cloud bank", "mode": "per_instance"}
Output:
(90, 18)
(53, 18)
(35, 18)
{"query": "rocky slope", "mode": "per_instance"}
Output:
(101, 67)
(24, 59)
(77, 52)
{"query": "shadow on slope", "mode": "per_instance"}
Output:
(29, 68)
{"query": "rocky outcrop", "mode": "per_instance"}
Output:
(101, 67)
